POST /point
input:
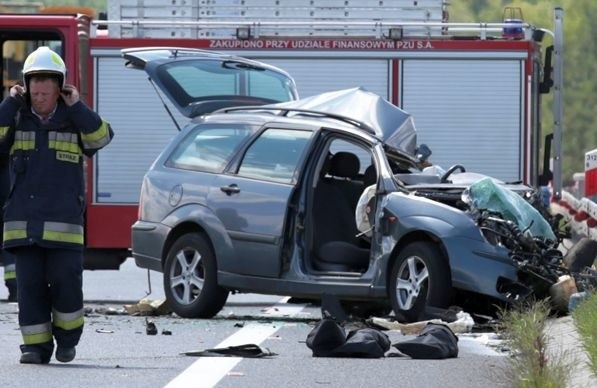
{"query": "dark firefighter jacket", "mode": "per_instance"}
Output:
(46, 200)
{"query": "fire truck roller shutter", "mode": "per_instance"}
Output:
(479, 100)
(120, 94)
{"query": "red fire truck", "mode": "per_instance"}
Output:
(474, 88)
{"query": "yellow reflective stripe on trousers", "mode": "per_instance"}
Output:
(37, 334)
(63, 232)
(64, 141)
(10, 272)
(15, 230)
(97, 138)
(68, 321)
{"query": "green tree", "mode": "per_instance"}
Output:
(99, 5)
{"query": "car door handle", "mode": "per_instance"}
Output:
(231, 189)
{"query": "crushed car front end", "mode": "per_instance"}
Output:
(497, 243)
(476, 265)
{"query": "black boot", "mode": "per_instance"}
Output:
(36, 354)
(65, 354)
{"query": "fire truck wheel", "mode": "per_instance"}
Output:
(190, 278)
(420, 277)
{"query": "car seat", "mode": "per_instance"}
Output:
(336, 246)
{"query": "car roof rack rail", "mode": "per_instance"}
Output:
(285, 111)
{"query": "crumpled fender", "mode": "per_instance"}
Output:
(430, 216)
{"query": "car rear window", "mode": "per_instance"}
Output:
(201, 80)
(207, 148)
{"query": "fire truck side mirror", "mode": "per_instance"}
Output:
(538, 35)
(547, 175)
(547, 82)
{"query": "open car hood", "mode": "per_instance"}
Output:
(198, 82)
(393, 126)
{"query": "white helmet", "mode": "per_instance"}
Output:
(44, 61)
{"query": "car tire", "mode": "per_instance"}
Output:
(190, 278)
(420, 277)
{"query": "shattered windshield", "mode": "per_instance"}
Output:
(485, 194)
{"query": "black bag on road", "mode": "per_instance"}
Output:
(436, 341)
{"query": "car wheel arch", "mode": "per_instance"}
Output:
(194, 217)
(407, 239)
(401, 246)
(180, 230)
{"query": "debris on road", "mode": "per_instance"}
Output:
(150, 328)
(575, 299)
(148, 307)
(463, 324)
(96, 312)
(494, 340)
(104, 331)
(561, 291)
(245, 351)
(110, 311)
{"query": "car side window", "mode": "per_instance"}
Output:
(208, 149)
(274, 155)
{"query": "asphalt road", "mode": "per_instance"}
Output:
(115, 350)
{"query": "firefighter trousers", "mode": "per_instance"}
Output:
(50, 297)
(10, 275)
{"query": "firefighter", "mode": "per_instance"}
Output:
(6, 258)
(48, 131)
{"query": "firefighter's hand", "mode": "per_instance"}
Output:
(70, 94)
(17, 91)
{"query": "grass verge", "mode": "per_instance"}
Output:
(531, 365)
(585, 318)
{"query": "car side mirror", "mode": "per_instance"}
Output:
(423, 152)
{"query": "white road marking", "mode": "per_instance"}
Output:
(208, 371)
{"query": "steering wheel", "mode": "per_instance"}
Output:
(447, 174)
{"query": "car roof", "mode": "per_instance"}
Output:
(357, 108)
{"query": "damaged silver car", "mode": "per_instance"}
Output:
(263, 199)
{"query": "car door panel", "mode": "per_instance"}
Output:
(253, 215)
